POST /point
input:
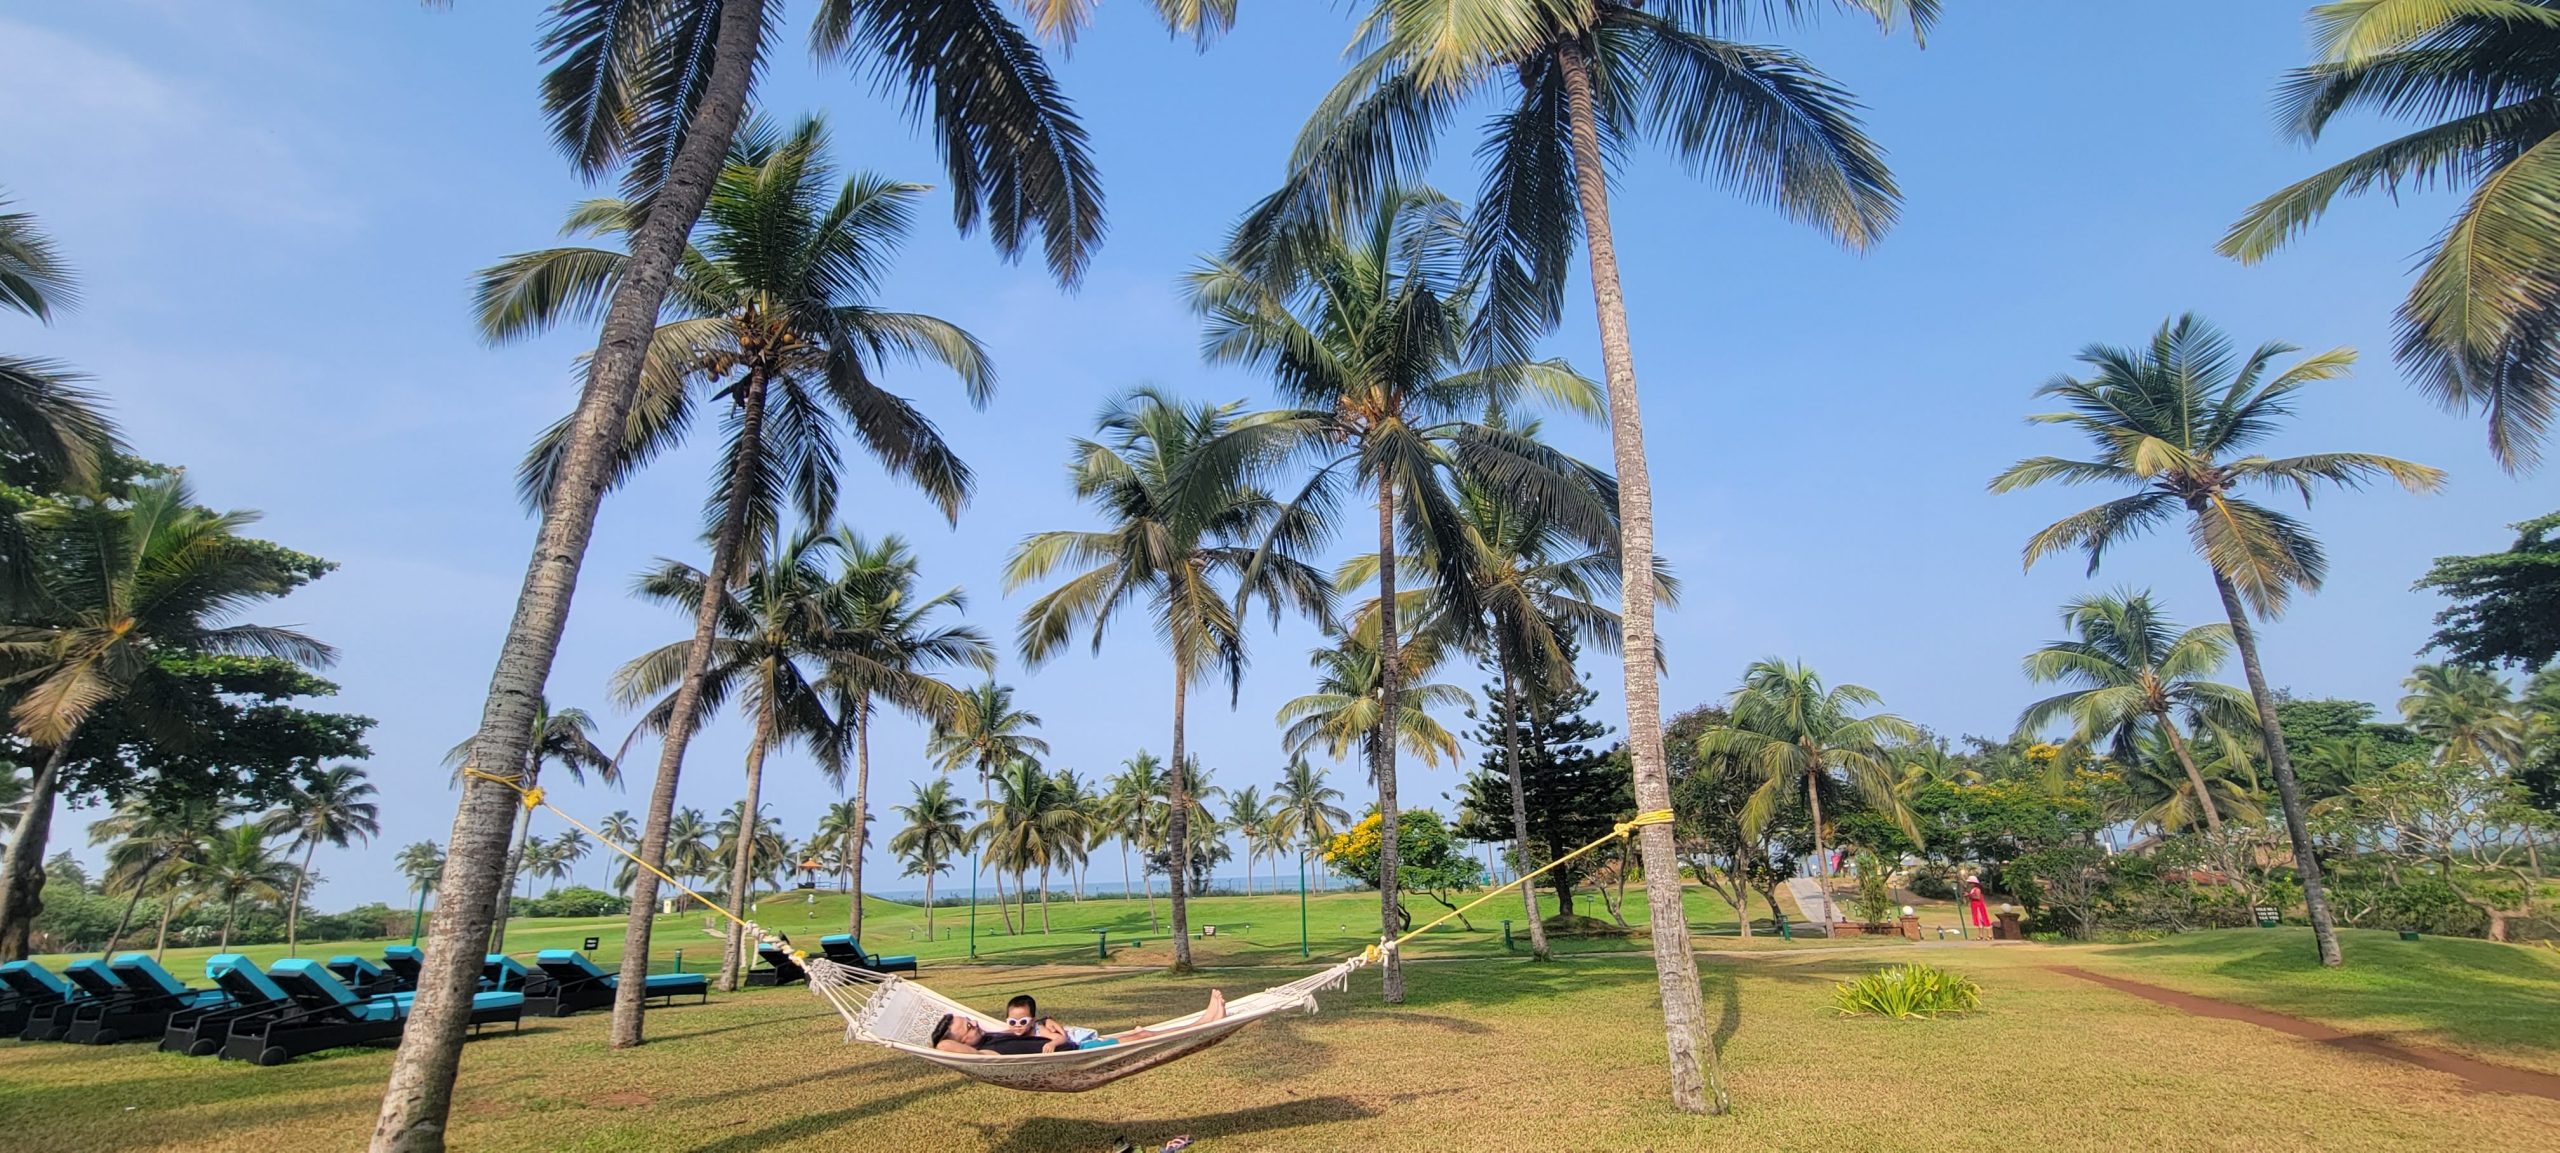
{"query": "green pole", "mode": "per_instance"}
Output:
(973, 904)
(1302, 905)
(420, 920)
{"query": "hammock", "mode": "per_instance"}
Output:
(899, 1014)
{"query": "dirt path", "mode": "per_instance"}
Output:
(2477, 1075)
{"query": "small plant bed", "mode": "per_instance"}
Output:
(1905, 992)
(1580, 926)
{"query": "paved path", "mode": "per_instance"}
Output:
(1807, 892)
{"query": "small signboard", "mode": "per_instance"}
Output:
(592, 942)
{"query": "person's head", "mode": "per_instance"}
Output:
(955, 1027)
(1021, 1014)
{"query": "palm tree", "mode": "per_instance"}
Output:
(762, 850)
(987, 732)
(2481, 327)
(2171, 420)
(619, 829)
(1026, 828)
(1072, 792)
(658, 89)
(541, 860)
(1128, 815)
(1180, 547)
(240, 865)
(569, 848)
(1247, 813)
(689, 846)
(1796, 733)
(1364, 326)
(152, 837)
(887, 650)
(2172, 794)
(123, 584)
(1591, 78)
(1200, 823)
(423, 865)
(48, 422)
(772, 315)
(774, 625)
(1348, 710)
(933, 834)
(2468, 713)
(839, 836)
(1304, 805)
(329, 808)
(566, 738)
(2132, 667)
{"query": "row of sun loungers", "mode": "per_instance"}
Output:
(302, 1006)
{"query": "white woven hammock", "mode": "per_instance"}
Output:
(899, 1014)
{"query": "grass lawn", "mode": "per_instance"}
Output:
(1490, 1052)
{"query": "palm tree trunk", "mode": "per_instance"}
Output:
(1519, 809)
(1044, 901)
(1696, 1083)
(22, 869)
(293, 912)
(861, 825)
(928, 906)
(1124, 873)
(1821, 845)
(1178, 822)
(2187, 760)
(168, 905)
(230, 913)
(1382, 749)
(1148, 882)
(987, 805)
(141, 881)
(498, 913)
(419, 1094)
(742, 883)
(2306, 863)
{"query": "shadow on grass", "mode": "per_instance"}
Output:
(813, 1124)
(758, 1023)
(1049, 1133)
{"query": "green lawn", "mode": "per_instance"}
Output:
(1490, 1053)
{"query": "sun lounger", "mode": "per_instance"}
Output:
(249, 994)
(845, 949)
(781, 968)
(152, 996)
(364, 978)
(576, 983)
(327, 1015)
(91, 981)
(25, 988)
(405, 963)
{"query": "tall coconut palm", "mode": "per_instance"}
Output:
(49, 424)
(239, 865)
(2172, 420)
(689, 846)
(2468, 713)
(1304, 805)
(1026, 828)
(619, 828)
(2480, 329)
(1586, 80)
(887, 651)
(763, 849)
(2173, 793)
(1179, 547)
(541, 860)
(1363, 323)
(122, 584)
(2131, 668)
(1347, 711)
(840, 835)
(566, 738)
(422, 864)
(1798, 734)
(934, 833)
(657, 89)
(569, 848)
(329, 808)
(1128, 812)
(1247, 814)
(987, 733)
(772, 318)
(1073, 792)
(775, 628)
(154, 839)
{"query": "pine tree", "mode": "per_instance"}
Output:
(1575, 790)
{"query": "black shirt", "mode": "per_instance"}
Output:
(1010, 1045)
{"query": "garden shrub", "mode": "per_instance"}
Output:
(1903, 992)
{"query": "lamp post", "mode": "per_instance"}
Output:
(1302, 903)
(973, 904)
(420, 919)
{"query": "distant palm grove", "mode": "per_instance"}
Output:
(1400, 489)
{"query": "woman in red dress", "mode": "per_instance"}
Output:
(1978, 912)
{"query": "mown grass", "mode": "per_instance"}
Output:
(1490, 1052)
(2498, 1002)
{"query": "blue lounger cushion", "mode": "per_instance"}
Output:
(359, 964)
(658, 982)
(93, 977)
(316, 976)
(570, 957)
(510, 973)
(29, 978)
(242, 979)
(403, 953)
(849, 940)
(143, 975)
(836, 939)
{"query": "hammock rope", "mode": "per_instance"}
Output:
(899, 1014)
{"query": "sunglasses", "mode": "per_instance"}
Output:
(1017, 1020)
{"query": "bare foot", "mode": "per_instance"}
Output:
(1217, 1006)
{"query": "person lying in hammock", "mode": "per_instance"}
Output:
(1027, 1032)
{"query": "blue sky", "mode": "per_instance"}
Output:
(276, 208)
